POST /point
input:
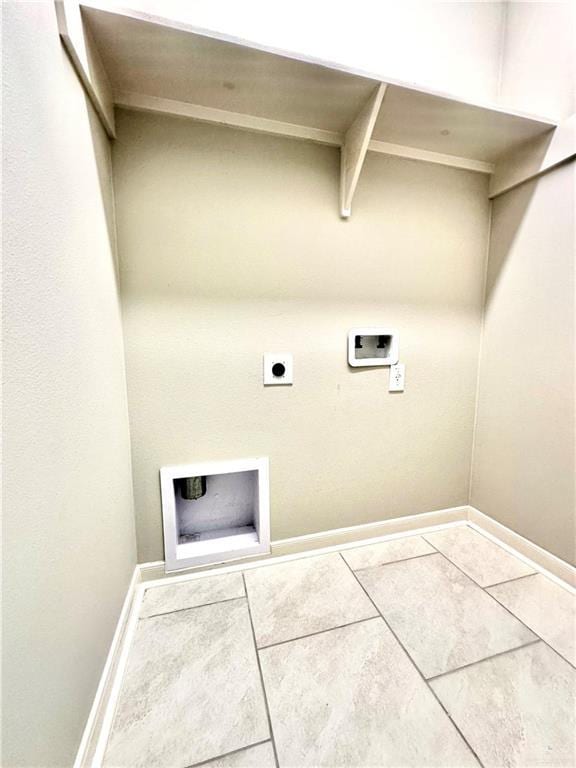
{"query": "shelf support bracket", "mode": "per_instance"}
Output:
(354, 148)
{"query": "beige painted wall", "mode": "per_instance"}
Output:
(231, 246)
(524, 462)
(539, 58)
(68, 529)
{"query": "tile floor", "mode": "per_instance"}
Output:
(434, 650)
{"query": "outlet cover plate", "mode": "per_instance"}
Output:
(397, 377)
(283, 359)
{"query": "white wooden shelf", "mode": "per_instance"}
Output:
(160, 65)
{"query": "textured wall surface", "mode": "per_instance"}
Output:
(539, 58)
(231, 246)
(523, 471)
(68, 529)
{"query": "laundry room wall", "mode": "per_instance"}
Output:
(231, 246)
(68, 525)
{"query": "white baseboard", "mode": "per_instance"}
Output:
(356, 533)
(540, 559)
(93, 725)
(150, 575)
(330, 538)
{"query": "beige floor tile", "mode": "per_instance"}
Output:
(548, 609)
(442, 618)
(187, 594)
(482, 559)
(351, 697)
(191, 690)
(386, 552)
(297, 598)
(516, 710)
(260, 756)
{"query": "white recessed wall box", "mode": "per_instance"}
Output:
(372, 346)
(215, 511)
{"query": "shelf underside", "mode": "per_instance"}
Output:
(154, 59)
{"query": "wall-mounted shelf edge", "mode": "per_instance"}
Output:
(143, 103)
(85, 57)
(378, 77)
(138, 61)
(535, 158)
(426, 156)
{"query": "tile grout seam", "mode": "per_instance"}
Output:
(546, 643)
(389, 562)
(487, 658)
(319, 632)
(507, 581)
(191, 607)
(411, 661)
(227, 754)
(381, 565)
(482, 586)
(264, 694)
(485, 590)
(356, 570)
(245, 596)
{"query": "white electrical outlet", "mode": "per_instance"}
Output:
(396, 383)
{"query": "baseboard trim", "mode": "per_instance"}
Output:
(151, 575)
(355, 533)
(93, 727)
(539, 558)
(314, 541)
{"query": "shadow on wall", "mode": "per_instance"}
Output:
(103, 162)
(516, 205)
(523, 465)
(101, 158)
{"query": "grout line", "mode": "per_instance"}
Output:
(392, 562)
(227, 754)
(533, 631)
(261, 676)
(319, 632)
(348, 546)
(485, 590)
(537, 553)
(437, 551)
(481, 661)
(410, 659)
(507, 581)
(191, 607)
(482, 586)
